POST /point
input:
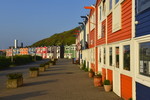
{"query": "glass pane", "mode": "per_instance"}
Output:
(144, 58)
(104, 56)
(110, 56)
(100, 55)
(117, 57)
(100, 13)
(142, 5)
(126, 58)
(104, 7)
(110, 4)
(116, 1)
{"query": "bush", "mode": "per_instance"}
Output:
(98, 75)
(42, 65)
(22, 59)
(106, 82)
(84, 65)
(38, 58)
(14, 75)
(86, 69)
(33, 69)
(47, 63)
(4, 62)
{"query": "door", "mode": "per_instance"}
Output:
(116, 73)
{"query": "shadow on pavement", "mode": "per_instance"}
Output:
(39, 83)
(23, 96)
(50, 74)
(58, 69)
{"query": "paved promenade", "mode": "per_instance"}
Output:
(63, 81)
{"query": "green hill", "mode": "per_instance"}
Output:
(64, 38)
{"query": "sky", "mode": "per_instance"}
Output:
(29, 21)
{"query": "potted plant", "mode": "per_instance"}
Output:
(50, 63)
(33, 71)
(54, 62)
(46, 65)
(41, 68)
(14, 80)
(98, 79)
(107, 85)
(91, 73)
(86, 69)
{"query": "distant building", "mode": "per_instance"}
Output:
(9, 52)
(70, 51)
(2, 52)
(21, 44)
(16, 43)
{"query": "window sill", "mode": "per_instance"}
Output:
(116, 30)
(143, 79)
(109, 12)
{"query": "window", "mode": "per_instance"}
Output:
(104, 56)
(110, 56)
(104, 8)
(144, 56)
(116, 17)
(100, 55)
(92, 21)
(116, 1)
(99, 22)
(142, 5)
(110, 4)
(126, 57)
(100, 13)
(103, 30)
(117, 57)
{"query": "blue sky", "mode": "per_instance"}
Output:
(31, 20)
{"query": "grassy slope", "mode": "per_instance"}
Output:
(64, 38)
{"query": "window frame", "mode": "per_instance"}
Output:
(115, 8)
(104, 55)
(100, 21)
(144, 74)
(138, 77)
(123, 56)
(137, 6)
(116, 58)
(109, 55)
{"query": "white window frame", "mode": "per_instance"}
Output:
(100, 21)
(93, 21)
(122, 58)
(109, 56)
(115, 56)
(100, 63)
(116, 11)
(108, 10)
(140, 78)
